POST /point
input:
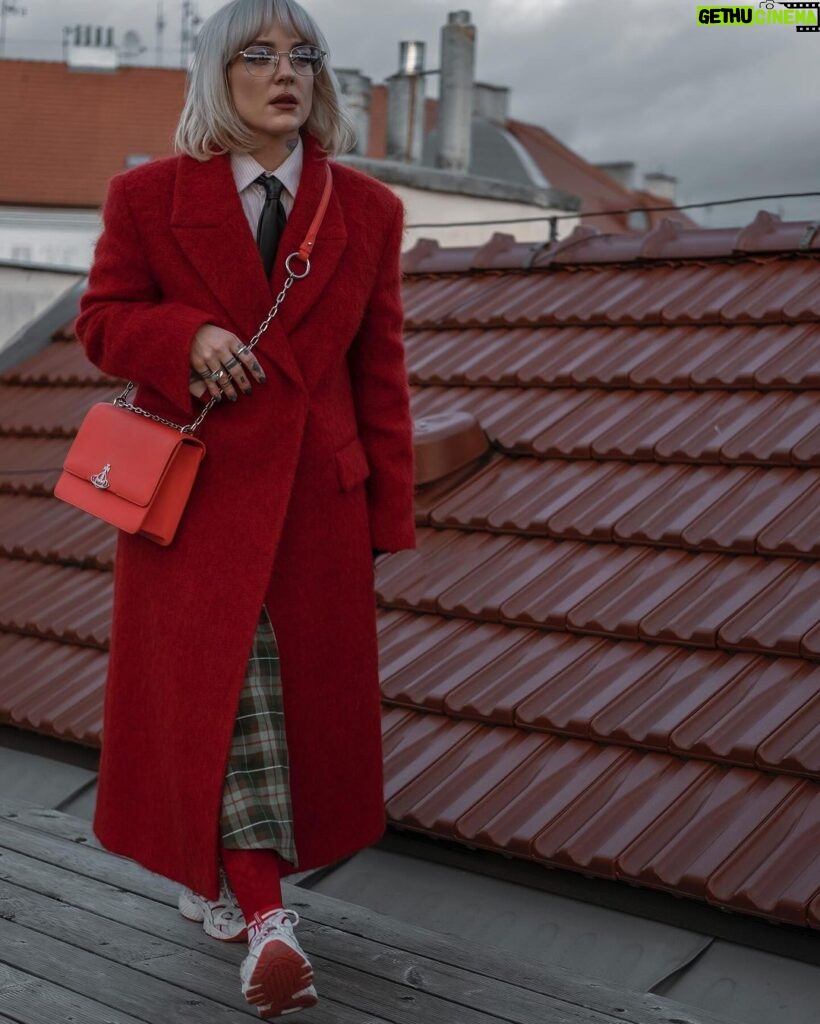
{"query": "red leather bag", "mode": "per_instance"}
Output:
(137, 471)
(136, 475)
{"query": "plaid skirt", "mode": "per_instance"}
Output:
(256, 807)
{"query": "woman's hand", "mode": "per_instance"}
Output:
(216, 349)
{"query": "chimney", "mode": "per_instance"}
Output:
(661, 185)
(357, 90)
(405, 105)
(492, 102)
(455, 106)
(623, 171)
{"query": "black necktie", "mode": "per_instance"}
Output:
(271, 220)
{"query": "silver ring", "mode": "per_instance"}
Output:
(216, 374)
(241, 350)
(293, 272)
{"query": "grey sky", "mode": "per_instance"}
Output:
(729, 111)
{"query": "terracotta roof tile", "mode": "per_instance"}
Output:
(776, 430)
(57, 364)
(807, 451)
(647, 713)
(511, 815)
(733, 521)
(408, 751)
(52, 688)
(31, 465)
(793, 746)
(773, 871)
(706, 438)
(777, 617)
(768, 233)
(796, 363)
(55, 602)
(732, 723)
(702, 602)
(681, 497)
(758, 357)
(441, 793)
(449, 659)
(694, 835)
(573, 694)
(604, 654)
(796, 531)
(591, 828)
(23, 410)
(44, 529)
(810, 644)
(497, 692)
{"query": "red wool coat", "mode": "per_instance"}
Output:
(300, 481)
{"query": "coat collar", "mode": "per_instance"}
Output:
(209, 223)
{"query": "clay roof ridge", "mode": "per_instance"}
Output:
(668, 242)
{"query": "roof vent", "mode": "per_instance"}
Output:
(446, 442)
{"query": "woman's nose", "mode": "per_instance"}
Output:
(284, 67)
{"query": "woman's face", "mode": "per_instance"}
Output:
(254, 97)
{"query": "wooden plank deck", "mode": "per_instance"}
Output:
(87, 937)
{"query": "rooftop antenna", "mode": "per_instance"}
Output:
(6, 8)
(160, 27)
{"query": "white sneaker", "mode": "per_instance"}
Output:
(277, 977)
(221, 919)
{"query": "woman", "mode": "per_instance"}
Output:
(308, 472)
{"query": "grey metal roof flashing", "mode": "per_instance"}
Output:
(435, 179)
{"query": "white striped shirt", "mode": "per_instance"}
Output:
(252, 196)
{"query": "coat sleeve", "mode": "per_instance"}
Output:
(382, 398)
(124, 326)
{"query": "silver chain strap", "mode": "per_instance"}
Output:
(189, 428)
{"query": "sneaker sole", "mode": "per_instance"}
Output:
(281, 981)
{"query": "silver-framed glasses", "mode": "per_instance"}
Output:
(262, 61)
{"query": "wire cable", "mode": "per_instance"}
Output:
(549, 218)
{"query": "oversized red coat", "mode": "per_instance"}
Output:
(300, 481)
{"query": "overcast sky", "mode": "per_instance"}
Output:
(729, 111)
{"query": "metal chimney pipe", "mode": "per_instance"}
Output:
(357, 90)
(455, 109)
(405, 105)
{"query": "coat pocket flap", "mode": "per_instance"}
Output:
(351, 463)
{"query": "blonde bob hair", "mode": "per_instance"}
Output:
(209, 123)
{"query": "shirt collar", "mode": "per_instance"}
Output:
(246, 169)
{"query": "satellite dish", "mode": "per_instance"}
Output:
(131, 44)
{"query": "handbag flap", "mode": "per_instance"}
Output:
(124, 449)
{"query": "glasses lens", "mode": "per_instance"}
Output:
(306, 60)
(260, 60)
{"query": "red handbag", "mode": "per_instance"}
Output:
(137, 473)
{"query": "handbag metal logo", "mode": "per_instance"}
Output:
(101, 479)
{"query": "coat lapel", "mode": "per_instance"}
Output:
(210, 225)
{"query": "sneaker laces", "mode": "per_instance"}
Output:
(281, 918)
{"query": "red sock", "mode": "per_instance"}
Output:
(255, 880)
